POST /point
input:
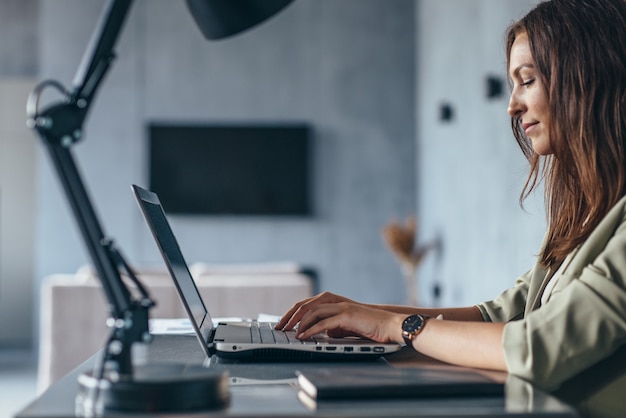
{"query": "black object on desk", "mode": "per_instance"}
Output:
(155, 388)
(391, 382)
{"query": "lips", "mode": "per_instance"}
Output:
(528, 126)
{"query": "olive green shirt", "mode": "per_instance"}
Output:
(574, 345)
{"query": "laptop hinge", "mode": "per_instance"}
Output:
(210, 344)
(212, 349)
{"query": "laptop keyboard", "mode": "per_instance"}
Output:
(264, 333)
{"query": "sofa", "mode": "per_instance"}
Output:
(74, 313)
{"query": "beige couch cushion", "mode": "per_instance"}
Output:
(74, 313)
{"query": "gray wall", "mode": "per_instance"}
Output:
(370, 75)
(470, 170)
(347, 67)
(18, 67)
(19, 40)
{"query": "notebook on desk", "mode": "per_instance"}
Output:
(246, 340)
(337, 388)
(384, 382)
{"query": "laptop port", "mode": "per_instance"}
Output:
(379, 349)
(365, 349)
(331, 348)
(348, 349)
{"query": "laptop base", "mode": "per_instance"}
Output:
(286, 355)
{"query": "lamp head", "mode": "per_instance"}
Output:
(219, 19)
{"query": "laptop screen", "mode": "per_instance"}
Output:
(155, 217)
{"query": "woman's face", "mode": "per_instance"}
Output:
(528, 98)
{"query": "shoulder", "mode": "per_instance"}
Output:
(612, 225)
(604, 252)
(617, 213)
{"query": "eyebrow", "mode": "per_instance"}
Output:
(517, 70)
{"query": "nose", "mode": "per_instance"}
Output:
(516, 106)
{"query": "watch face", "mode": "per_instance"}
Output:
(412, 324)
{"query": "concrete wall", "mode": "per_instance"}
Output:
(17, 211)
(347, 67)
(20, 38)
(18, 67)
(370, 75)
(470, 171)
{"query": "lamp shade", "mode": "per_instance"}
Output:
(219, 19)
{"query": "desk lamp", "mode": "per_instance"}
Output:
(116, 383)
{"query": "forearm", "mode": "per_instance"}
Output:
(470, 344)
(471, 313)
(462, 338)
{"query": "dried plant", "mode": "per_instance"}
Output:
(401, 239)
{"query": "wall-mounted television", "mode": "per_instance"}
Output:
(231, 169)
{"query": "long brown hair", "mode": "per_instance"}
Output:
(579, 48)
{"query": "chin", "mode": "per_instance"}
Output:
(542, 147)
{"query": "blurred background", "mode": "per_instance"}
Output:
(406, 103)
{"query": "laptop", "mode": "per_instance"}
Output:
(243, 340)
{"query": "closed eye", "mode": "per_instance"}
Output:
(528, 83)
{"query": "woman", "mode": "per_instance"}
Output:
(565, 319)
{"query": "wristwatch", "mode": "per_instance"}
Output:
(412, 326)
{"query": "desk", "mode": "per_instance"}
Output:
(279, 398)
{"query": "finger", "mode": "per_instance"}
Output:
(287, 318)
(295, 318)
(320, 318)
(295, 314)
(303, 309)
(318, 327)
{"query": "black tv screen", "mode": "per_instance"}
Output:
(231, 169)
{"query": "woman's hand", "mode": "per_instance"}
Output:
(297, 311)
(348, 318)
(339, 316)
(464, 338)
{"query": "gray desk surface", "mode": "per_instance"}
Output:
(266, 390)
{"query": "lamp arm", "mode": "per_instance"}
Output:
(59, 126)
(99, 54)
